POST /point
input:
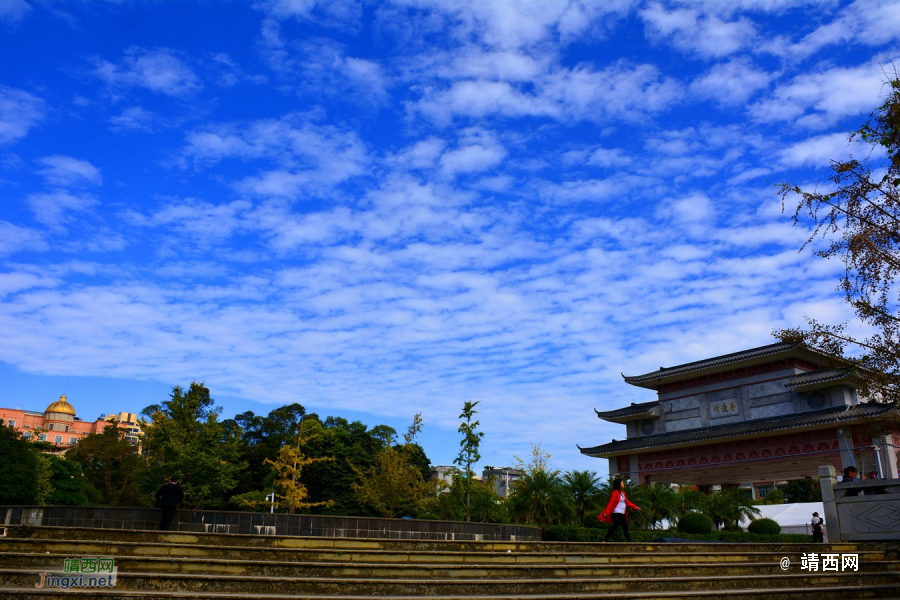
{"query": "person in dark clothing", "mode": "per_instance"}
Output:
(616, 511)
(850, 474)
(167, 498)
(818, 528)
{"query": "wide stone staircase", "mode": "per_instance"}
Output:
(161, 565)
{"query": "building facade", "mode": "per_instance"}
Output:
(502, 479)
(759, 417)
(59, 426)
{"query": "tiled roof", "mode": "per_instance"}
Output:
(820, 376)
(717, 361)
(634, 410)
(836, 414)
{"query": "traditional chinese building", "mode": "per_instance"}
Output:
(760, 416)
(59, 425)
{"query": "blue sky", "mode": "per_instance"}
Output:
(383, 208)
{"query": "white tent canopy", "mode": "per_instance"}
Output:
(793, 518)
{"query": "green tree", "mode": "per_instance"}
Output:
(540, 495)
(658, 502)
(860, 219)
(585, 495)
(395, 485)
(449, 504)
(803, 490)
(185, 438)
(111, 467)
(262, 438)
(727, 507)
(468, 453)
(67, 483)
(687, 499)
(18, 469)
(354, 447)
(773, 497)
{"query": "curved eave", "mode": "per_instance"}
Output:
(739, 431)
(813, 381)
(724, 363)
(630, 413)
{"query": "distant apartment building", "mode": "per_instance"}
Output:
(502, 478)
(59, 426)
(442, 476)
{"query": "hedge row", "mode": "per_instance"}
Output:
(570, 533)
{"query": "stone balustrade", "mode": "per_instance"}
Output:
(206, 521)
(860, 510)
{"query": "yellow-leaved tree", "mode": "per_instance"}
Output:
(291, 492)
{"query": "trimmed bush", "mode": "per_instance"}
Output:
(764, 527)
(695, 523)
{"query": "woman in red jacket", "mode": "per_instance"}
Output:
(615, 511)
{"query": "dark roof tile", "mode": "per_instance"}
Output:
(711, 362)
(836, 414)
(634, 410)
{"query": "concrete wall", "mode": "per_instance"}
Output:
(263, 524)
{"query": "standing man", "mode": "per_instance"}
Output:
(167, 498)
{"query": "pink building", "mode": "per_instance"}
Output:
(59, 425)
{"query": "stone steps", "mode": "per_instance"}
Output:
(159, 565)
(339, 587)
(610, 554)
(415, 570)
(810, 593)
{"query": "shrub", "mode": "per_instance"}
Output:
(694, 523)
(764, 526)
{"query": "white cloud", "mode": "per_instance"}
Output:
(731, 83)
(54, 208)
(332, 13)
(159, 70)
(478, 151)
(864, 22)
(509, 25)
(135, 118)
(67, 171)
(816, 151)
(620, 91)
(818, 100)
(13, 11)
(309, 156)
(696, 33)
(14, 238)
(694, 212)
(19, 112)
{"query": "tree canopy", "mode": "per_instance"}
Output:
(860, 220)
(185, 439)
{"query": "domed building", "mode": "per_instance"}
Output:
(59, 425)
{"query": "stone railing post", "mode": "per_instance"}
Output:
(829, 506)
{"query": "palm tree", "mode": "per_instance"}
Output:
(687, 498)
(727, 506)
(658, 502)
(585, 495)
(539, 497)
